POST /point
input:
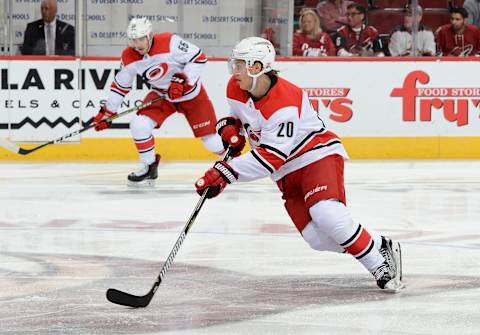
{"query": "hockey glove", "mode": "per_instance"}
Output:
(216, 179)
(229, 130)
(178, 86)
(99, 120)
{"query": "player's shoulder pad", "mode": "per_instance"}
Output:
(161, 43)
(283, 94)
(234, 91)
(129, 55)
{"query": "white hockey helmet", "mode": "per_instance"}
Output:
(251, 50)
(138, 28)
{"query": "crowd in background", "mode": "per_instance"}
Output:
(329, 28)
(348, 28)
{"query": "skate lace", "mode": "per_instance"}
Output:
(389, 261)
(381, 272)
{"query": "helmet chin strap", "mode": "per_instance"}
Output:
(254, 84)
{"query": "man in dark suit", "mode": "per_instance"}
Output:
(49, 36)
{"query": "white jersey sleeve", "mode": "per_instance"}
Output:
(189, 54)
(122, 84)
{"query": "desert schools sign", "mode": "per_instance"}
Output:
(408, 103)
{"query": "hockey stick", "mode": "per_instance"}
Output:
(127, 299)
(18, 150)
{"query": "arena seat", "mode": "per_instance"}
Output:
(389, 3)
(433, 4)
(384, 20)
(435, 18)
(311, 3)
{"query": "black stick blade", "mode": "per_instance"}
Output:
(127, 299)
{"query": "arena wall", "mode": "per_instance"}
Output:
(389, 108)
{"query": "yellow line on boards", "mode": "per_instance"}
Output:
(193, 149)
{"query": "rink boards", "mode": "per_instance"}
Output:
(390, 108)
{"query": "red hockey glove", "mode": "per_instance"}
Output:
(178, 86)
(103, 114)
(216, 179)
(229, 130)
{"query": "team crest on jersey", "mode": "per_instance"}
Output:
(253, 135)
(155, 72)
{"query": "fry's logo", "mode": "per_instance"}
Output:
(453, 101)
(334, 100)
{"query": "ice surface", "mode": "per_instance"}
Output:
(69, 231)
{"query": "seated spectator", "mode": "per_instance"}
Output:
(356, 38)
(458, 38)
(473, 10)
(310, 40)
(49, 36)
(333, 14)
(401, 37)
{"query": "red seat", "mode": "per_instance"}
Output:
(458, 3)
(311, 3)
(433, 3)
(390, 3)
(435, 18)
(364, 3)
(384, 20)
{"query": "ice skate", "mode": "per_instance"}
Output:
(146, 175)
(389, 274)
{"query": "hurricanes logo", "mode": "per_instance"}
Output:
(155, 72)
(253, 135)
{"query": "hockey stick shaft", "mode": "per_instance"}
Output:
(22, 151)
(126, 299)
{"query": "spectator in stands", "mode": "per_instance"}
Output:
(49, 36)
(458, 38)
(310, 40)
(356, 38)
(333, 14)
(473, 10)
(401, 37)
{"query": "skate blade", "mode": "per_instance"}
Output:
(394, 286)
(147, 183)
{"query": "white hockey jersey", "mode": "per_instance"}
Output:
(284, 131)
(169, 54)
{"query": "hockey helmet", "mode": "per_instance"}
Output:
(251, 50)
(138, 28)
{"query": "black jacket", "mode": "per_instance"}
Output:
(34, 39)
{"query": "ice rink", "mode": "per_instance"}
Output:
(70, 231)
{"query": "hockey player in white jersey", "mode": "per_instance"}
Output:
(172, 66)
(292, 145)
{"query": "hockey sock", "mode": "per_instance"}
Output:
(333, 219)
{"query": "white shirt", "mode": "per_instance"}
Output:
(53, 24)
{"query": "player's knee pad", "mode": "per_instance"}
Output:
(333, 219)
(213, 143)
(317, 240)
(141, 126)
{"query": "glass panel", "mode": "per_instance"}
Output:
(213, 25)
(277, 25)
(28, 13)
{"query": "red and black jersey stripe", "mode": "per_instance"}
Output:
(199, 57)
(119, 89)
